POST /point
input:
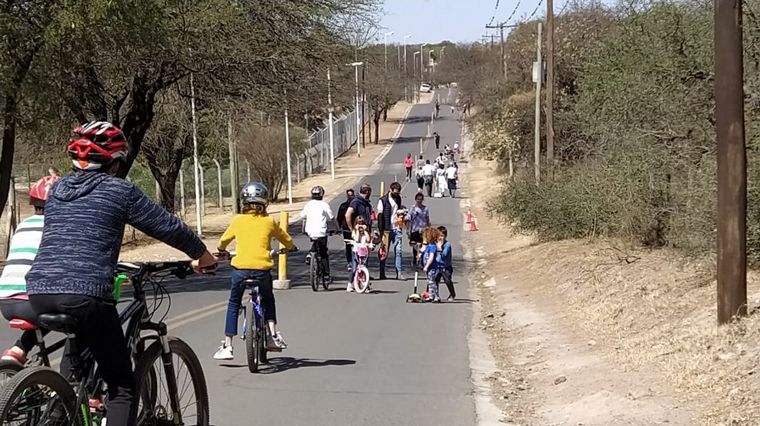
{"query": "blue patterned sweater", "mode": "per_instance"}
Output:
(85, 215)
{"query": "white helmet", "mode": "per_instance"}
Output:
(254, 193)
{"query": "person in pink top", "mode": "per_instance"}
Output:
(409, 164)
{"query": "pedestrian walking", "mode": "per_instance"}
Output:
(419, 218)
(437, 138)
(452, 174)
(428, 174)
(343, 226)
(387, 211)
(409, 163)
(441, 184)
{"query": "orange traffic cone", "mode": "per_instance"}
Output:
(474, 225)
(469, 216)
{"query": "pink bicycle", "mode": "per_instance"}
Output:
(360, 279)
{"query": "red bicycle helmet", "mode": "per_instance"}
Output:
(39, 192)
(95, 144)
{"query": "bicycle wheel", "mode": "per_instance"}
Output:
(262, 342)
(8, 369)
(314, 272)
(154, 404)
(37, 396)
(252, 341)
(326, 283)
(361, 279)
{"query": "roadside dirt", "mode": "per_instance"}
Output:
(598, 333)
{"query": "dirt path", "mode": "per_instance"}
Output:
(549, 370)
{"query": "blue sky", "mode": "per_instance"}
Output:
(431, 21)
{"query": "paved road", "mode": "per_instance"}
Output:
(353, 359)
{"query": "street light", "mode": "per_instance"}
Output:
(356, 66)
(406, 74)
(422, 62)
(385, 44)
(417, 87)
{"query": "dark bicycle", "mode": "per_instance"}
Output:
(255, 336)
(38, 395)
(316, 272)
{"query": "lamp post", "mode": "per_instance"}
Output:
(385, 46)
(330, 110)
(356, 66)
(406, 74)
(422, 62)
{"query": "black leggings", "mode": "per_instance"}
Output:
(349, 248)
(446, 275)
(21, 309)
(100, 332)
(409, 173)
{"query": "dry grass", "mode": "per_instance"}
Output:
(655, 310)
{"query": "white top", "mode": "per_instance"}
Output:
(428, 170)
(441, 160)
(451, 172)
(316, 213)
(23, 250)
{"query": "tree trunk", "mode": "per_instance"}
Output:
(9, 141)
(376, 119)
(138, 118)
(385, 114)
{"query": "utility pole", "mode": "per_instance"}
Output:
(330, 111)
(196, 165)
(501, 27)
(356, 66)
(732, 161)
(287, 149)
(538, 75)
(364, 103)
(234, 173)
(550, 84)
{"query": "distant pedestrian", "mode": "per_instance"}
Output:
(437, 138)
(428, 174)
(452, 174)
(440, 176)
(409, 164)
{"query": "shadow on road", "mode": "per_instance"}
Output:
(279, 364)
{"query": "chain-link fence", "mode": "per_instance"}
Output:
(316, 158)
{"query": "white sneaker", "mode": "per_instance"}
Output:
(224, 353)
(276, 343)
(350, 288)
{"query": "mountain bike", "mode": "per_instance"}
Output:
(170, 385)
(316, 272)
(360, 279)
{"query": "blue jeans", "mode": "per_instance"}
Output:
(237, 289)
(394, 241)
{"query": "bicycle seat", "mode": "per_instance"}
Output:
(62, 323)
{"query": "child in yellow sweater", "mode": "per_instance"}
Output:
(253, 231)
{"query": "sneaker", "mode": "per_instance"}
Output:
(308, 259)
(224, 353)
(350, 287)
(349, 268)
(328, 279)
(437, 300)
(276, 343)
(400, 276)
(450, 299)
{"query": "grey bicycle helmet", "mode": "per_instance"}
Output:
(254, 193)
(317, 192)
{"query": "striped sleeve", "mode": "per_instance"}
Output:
(23, 249)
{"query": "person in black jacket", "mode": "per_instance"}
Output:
(343, 225)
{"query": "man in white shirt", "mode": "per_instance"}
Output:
(388, 207)
(451, 178)
(316, 214)
(428, 174)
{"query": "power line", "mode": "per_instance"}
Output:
(538, 6)
(495, 9)
(511, 15)
(561, 11)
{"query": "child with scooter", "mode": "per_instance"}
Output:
(446, 270)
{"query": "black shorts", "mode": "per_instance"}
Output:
(415, 237)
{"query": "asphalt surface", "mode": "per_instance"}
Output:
(368, 359)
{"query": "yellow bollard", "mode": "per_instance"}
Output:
(282, 282)
(382, 188)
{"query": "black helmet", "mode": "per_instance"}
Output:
(317, 192)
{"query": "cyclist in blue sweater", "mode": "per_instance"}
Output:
(85, 215)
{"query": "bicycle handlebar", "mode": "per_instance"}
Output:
(139, 270)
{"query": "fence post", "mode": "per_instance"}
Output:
(282, 282)
(11, 227)
(247, 170)
(182, 204)
(219, 182)
(203, 190)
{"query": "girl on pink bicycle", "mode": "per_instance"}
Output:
(363, 244)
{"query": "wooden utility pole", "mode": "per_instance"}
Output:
(732, 161)
(234, 173)
(550, 83)
(539, 71)
(501, 27)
